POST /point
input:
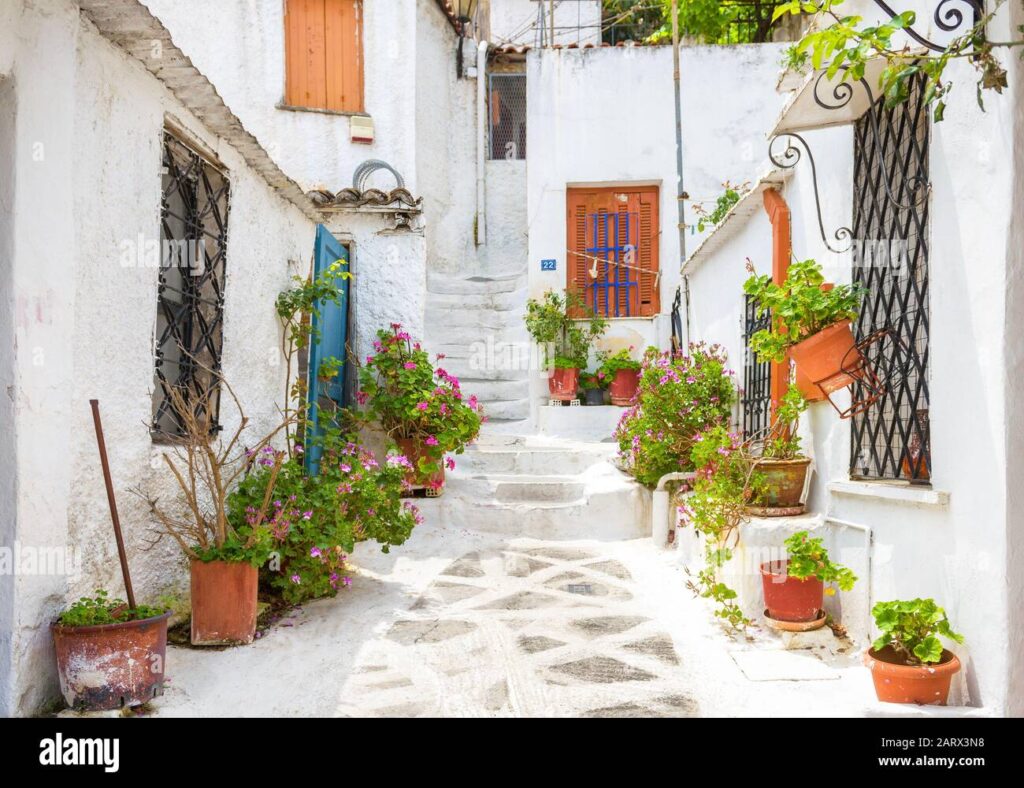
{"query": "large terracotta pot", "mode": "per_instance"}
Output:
(111, 665)
(223, 602)
(564, 383)
(784, 480)
(623, 386)
(790, 599)
(896, 682)
(820, 358)
(413, 450)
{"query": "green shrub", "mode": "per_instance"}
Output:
(809, 558)
(568, 339)
(912, 628)
(94, 611)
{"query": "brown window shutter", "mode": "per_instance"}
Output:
(576, 265)
(324, 54)
(647, 253)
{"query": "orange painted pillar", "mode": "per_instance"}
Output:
(782, 250)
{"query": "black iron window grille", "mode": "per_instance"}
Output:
(756, 400)
(890, 439)
(190, 291)
(507, 115)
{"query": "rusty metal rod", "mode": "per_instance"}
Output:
(95, 404)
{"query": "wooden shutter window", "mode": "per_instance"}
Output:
(639, 202)
(324, 54)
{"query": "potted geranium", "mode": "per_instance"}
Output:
(794, 588)
(623, 372)
(907, 661)
(421, 408)
(110, 655)
(592, 384)
(225, 551)
(810, 321)
(566, 340)
(781, 466)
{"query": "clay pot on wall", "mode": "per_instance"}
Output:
(784, 480)
(564, 383)
(789, 599)
(623, 386)
(223, 602)
(820, 359)
(897, 682)
(110, 666)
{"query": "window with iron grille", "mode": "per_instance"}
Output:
(757, 375)
(507, 109)
(890, 439)
(190, 291)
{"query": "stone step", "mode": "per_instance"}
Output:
(519, 488)
(506, 410)
(506, 301)
(533, 461)
(494, 390)
(478, 318)
(474, 285)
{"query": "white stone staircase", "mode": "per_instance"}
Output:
(474, 318)
(544, 488)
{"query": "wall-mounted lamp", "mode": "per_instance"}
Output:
(464, 11)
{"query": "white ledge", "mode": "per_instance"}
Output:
(891, 491)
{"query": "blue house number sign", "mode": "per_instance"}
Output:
(548, 265)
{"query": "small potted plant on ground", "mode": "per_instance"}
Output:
(781, 466)
(908, 663)
(110, 655)
(592, 384)
(567, 340)
(421, 408)
(809, 322)
(624, 373)
(794, 587)
(225, 551)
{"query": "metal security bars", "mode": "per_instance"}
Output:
(756, 400)
(890, 440)
(507, 116)
(190, 291)
(612, 244)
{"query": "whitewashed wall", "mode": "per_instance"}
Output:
(84, 322)
(606, 117)
(961, 541)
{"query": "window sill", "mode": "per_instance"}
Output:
(318, 111)
(899, 492)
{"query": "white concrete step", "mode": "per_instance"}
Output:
(518, 488)
(505, 301)
(475, 285)
(506, 410)
(494, 390)
(478, 318)
(535, 460)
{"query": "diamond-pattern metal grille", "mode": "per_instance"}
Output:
(507, 109)
(757, 376)
(190, 293)
(890, 439)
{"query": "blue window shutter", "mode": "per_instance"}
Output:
(332, 327)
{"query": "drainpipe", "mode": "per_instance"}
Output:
(481, 148)
(660, 508)
(869, 540)
(680, 191)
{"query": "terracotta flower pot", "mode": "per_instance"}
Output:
(111, 665)
(790, 599)
(223, 602)
(896, 682)
(564, 383)
(413, 450)
(784, 480)
(820, 358)
(623, 386)
(593, 396)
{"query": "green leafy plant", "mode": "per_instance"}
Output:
(800, 307)
(410, 399)
(101, 609)
(314, 522)
(808, 557)
(844, 45)
(593, 380)
(723, 204)
(567, 339)
(715, 21)
(912, 628)
(678, 397)
(610, 363)
(297, 309)
(782, 441)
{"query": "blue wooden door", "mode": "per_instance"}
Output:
(330, 327)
